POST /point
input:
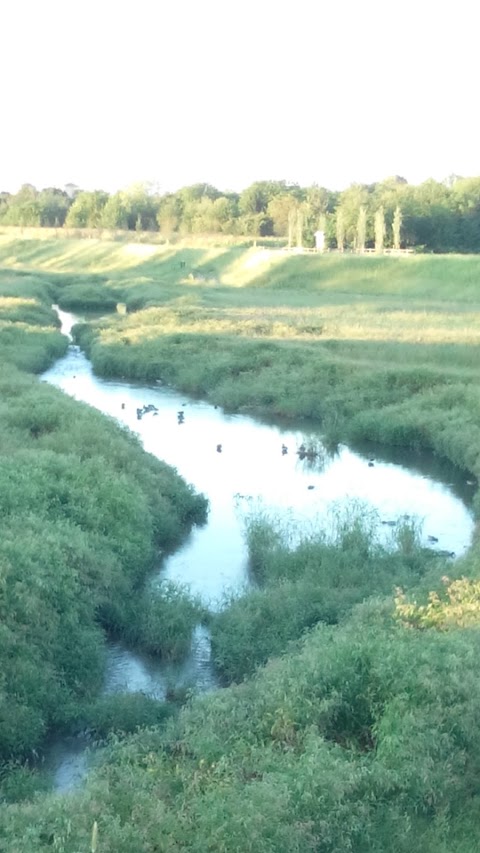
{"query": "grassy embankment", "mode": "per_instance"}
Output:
(364, 735)
(83, 514)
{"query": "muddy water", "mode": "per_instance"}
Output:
(240, 463)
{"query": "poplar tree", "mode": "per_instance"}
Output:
(292, 216)
(361, 229)
(397, 227)
(340, 228)
(299, 228)
(379, 230)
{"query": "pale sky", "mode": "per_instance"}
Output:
(104, 93)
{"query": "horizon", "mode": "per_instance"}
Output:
(153, 190)
(104, 97)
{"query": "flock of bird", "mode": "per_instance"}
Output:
(302, 452)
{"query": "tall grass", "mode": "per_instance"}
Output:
(360, 735)
(83, 512)
(160, 620)
(364, 738)
(306, 578)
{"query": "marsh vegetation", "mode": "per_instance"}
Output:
(354, 722)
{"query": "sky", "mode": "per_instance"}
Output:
(106, 93)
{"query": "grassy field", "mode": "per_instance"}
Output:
(361, 732)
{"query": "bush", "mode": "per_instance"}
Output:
(308, 579)
(124, 713)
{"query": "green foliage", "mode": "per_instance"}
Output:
(306, 579)
(87, 296)
(19, 782)
(436, 216)
(360, 734)
(161, 620)
(87, 210)
(361, 229)
(124, 713)
(459, 605)
(29, 338)
(397, 228)
(379, 230)
(363, 738)
(83, 511)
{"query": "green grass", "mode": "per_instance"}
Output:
(360, 735)
(306, 578)
(364, 738)
(83, 513)
(160, 620)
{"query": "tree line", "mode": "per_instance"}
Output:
(432, 216)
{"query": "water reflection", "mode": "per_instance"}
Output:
(251, 463)
(133, 671)
(67, 760)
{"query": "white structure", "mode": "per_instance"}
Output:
(319, 240)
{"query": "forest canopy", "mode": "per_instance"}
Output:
(432, 216)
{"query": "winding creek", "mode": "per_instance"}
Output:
(238, 461)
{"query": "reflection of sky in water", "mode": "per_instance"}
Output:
(67, 760)
(252, 469)
(132, 671)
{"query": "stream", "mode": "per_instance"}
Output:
(240, 463)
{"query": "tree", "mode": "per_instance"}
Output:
(254, 207)
(53, 205)
(225, 211)
(379, 230)
(169, 214)
(23, 208)
(86, 211)
(397, 228)
(351, 200)
(114, 214)
(299, 228)
(430, 217)
(280, 209)
(340, 230)
(292, 218)
(141, 207)
(318, 203)
(361, 228)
